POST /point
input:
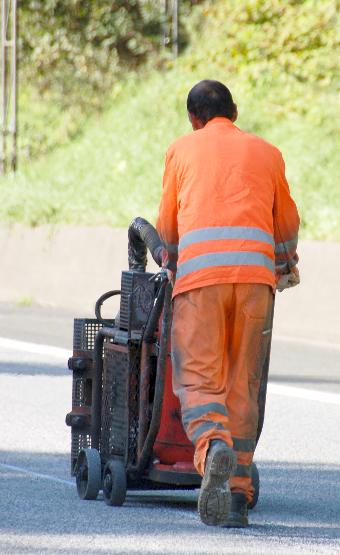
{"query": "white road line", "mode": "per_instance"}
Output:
(36, 474)
(34, 348)
(58, 352)
(276, 389)
(303, 393)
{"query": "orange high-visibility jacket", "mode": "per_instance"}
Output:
(226, 208)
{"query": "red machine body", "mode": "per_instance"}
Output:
(172, 448)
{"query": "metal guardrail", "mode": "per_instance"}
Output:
(8, 60)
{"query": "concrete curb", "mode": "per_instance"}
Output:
(71, 266)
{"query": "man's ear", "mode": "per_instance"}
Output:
(235, 114)
(195, 122)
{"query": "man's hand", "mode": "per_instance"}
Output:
(288, 280)
(171, 276)
(165, 266)
(163, 257)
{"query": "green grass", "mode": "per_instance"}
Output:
(113, 171)
(44, 123)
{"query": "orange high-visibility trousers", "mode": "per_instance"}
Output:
(220, 336)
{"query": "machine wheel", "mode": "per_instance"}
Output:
(114, 483)
(255, 480)
(88, 474)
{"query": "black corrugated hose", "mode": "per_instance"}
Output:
(142, 236)
(146, 453)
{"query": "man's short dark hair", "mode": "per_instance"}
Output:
(209, 99)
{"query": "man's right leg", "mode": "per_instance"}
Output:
(199, 378)
(249, 341)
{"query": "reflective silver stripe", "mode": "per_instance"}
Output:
(244, 445)
(243, 471)
(225, 232)
(205, 427)
(237, 258)
(195, 412)
(286, 245)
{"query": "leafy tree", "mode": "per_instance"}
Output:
(65, 44)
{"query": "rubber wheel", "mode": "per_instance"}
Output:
(114, 483)
(255, 480)
(88, 474)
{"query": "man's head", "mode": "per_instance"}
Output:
(207, 100)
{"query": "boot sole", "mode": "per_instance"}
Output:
(214, 500)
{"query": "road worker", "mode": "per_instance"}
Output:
(230, 228)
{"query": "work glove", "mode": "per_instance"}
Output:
(167, 264)
(288, 280)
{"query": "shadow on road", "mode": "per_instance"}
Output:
(34, 369)
(297, 502)
(303, 379)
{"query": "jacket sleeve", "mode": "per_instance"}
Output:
(286, 224)
(167, 215)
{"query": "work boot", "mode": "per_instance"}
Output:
(215, 498)
(238, 516)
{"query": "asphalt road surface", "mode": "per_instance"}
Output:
(298, 459)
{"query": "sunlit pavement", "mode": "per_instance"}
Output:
(298, 458)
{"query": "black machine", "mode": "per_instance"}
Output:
(125, 420)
